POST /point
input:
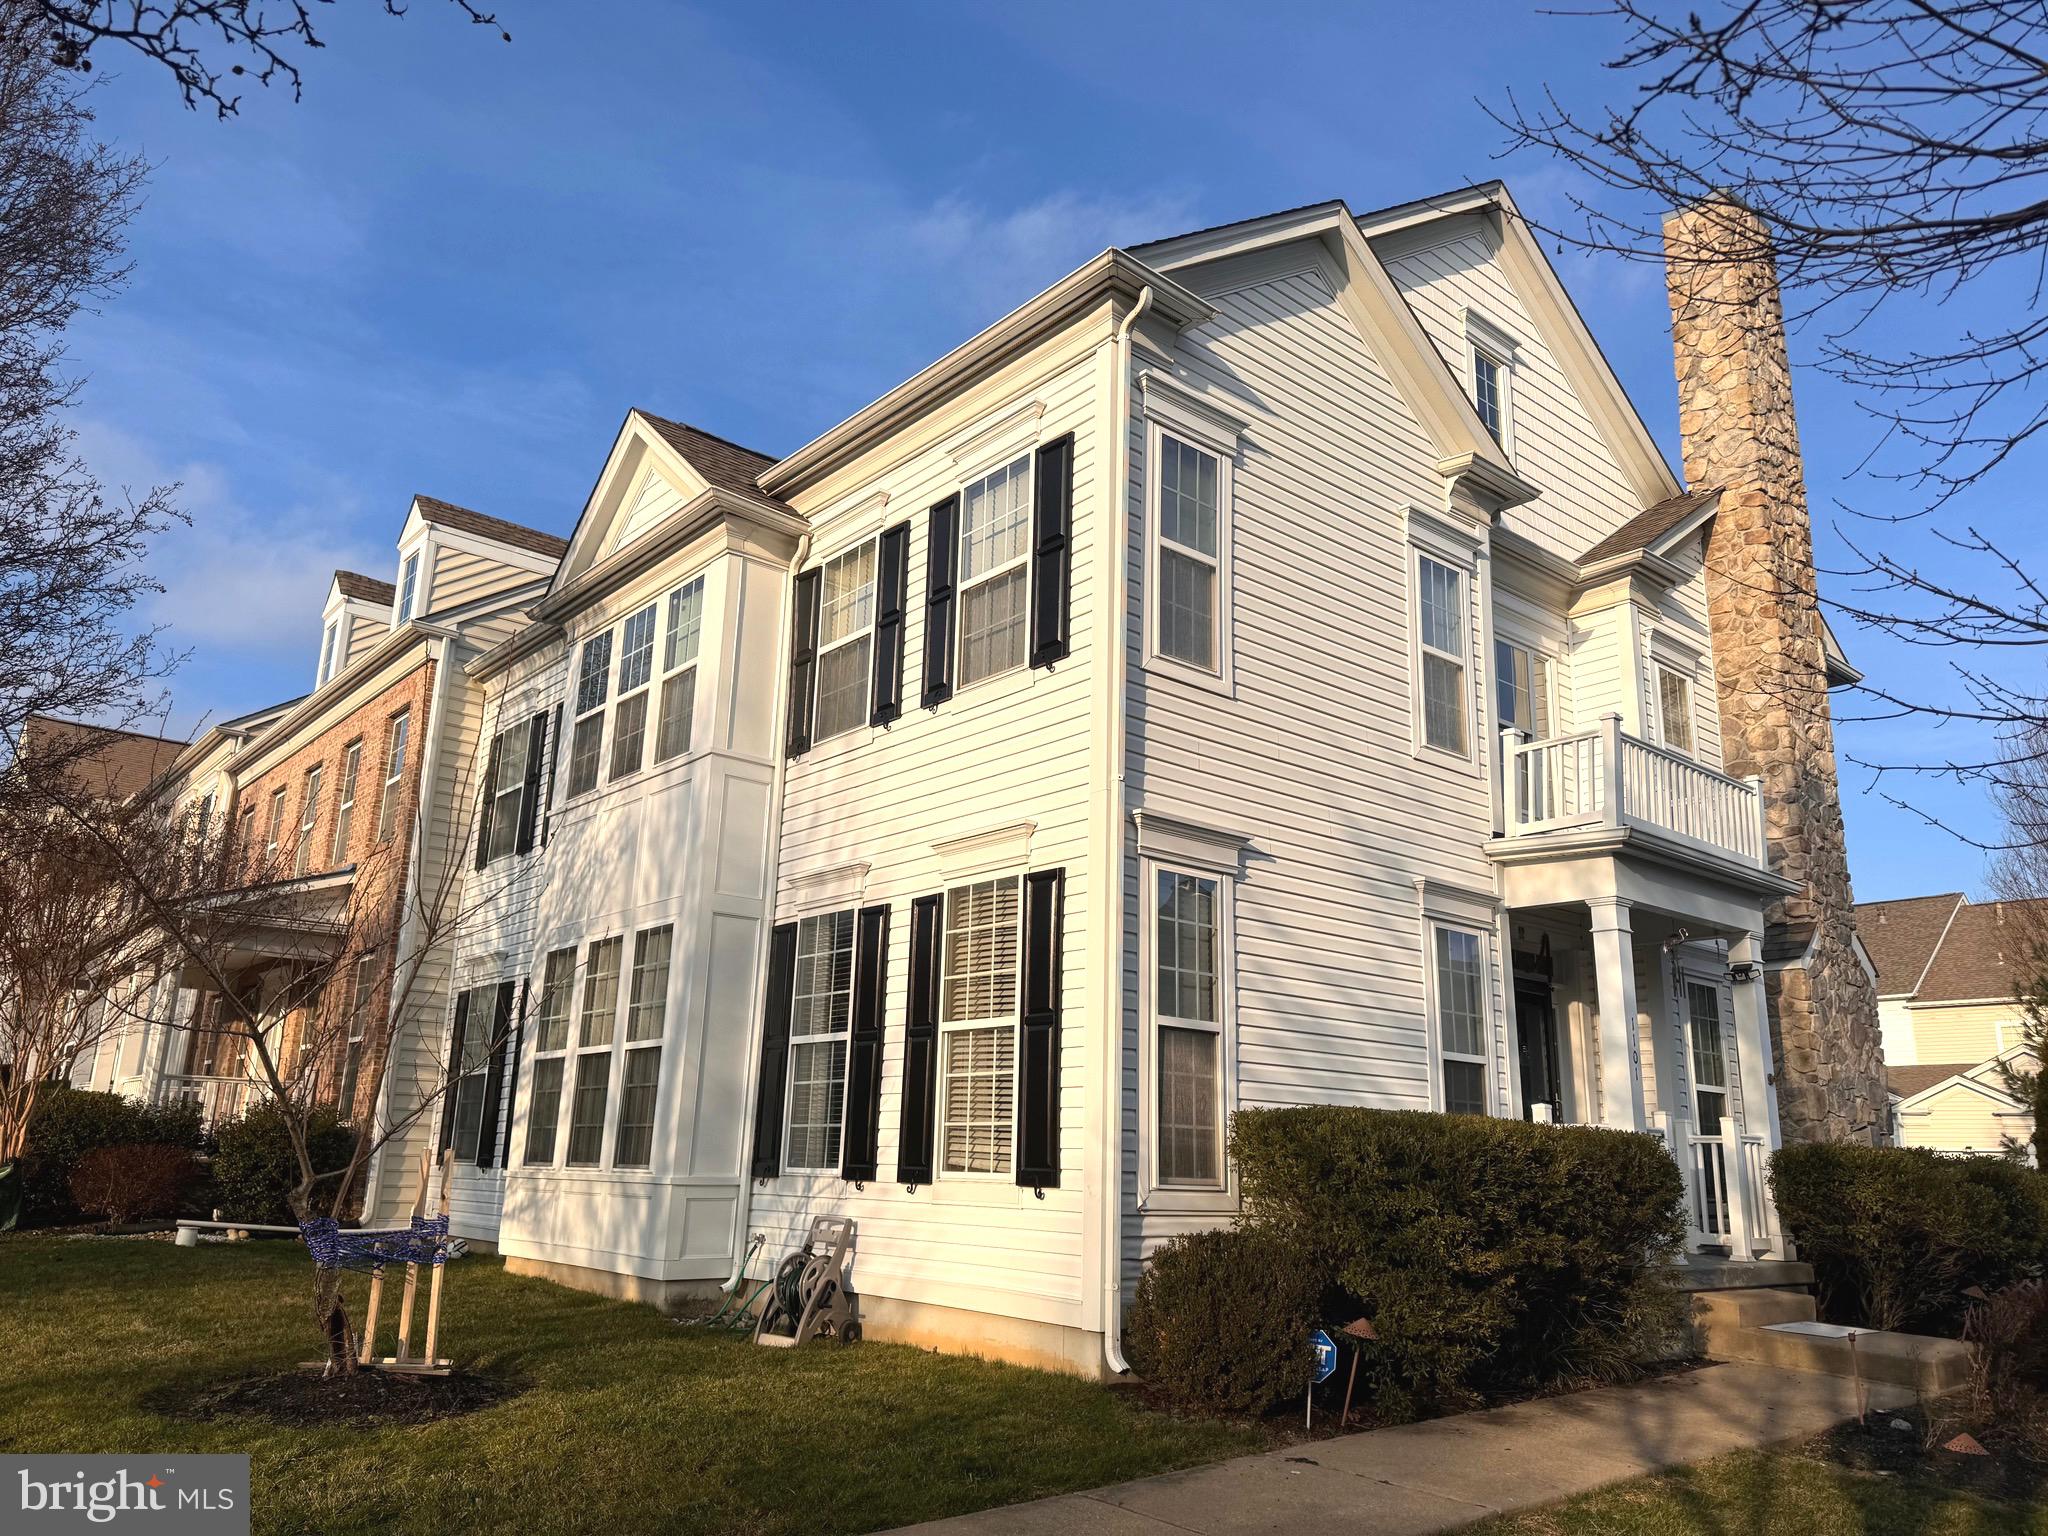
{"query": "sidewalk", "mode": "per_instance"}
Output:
(1450, 1472)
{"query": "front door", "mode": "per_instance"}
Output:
(1536, 1025)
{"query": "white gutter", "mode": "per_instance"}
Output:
(1110, 851)
(742, 1207)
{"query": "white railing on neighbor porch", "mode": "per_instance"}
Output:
(1607, 777)
(218, 1098)
(1756, 1194)
(1711, 1215)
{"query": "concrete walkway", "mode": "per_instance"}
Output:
(1450, 1472)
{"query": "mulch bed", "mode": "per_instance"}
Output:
(305, 1399)
(2010, 1470)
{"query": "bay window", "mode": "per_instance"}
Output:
(550, 1041)
(679, 670)
(594, 1032)
(636, 672)
(593, 686)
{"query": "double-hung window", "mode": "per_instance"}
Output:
(327, 641)
(646, 1015)
(309, 820)
(636, 672)
(1709, 1058)
(593, 686)
(846, 641)
(594, 1031)
(1459, 958)
(245, 842)
(273, 832)
(345, 804)
(1189, 574)
(995, 573)
(1490, 392)
(550, 1042)
(1440, 626)
(506, 792)
(362, 986)
(1521, 685)
(818, 1030)
(408, 586)
(978, 1025)
(472, 1071)
(1187, 1006)
(679, 670)
(394, 775)
(1674, 709)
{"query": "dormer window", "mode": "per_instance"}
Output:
(327, 644)
(408, 586)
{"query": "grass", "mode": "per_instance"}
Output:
(1759, 1493)
(627, 1422)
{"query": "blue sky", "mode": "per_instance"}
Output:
(454, 265)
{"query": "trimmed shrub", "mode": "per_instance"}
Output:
(255, 1170)
(70, 1122)
(1491, 1255)
(1221, 1321)
(126, 1184)
(1896, 1235)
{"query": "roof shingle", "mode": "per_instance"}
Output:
(1907, 1081)
(484, 526)
(366, 589)
(724, 464)
(1900, 936)
(1648, 526)
(1988, 952)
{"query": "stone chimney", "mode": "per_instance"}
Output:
(1735, 418)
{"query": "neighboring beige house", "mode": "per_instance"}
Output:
(1949, 976)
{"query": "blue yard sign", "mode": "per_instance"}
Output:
(1326, 1355)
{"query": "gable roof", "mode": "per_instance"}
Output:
(367, 589)
(102, 760)
(1985, 953)
(1905, 1082)
(1654, 529)
(484, 526)
(1902, 936)
(720, 461)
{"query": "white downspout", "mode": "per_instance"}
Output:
(779, 743)
(1110, 852)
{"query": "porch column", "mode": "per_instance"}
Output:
(1758, 1130)
(1614, 970)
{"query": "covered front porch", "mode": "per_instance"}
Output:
(1634, 885)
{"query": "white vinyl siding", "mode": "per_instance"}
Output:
(995, 539)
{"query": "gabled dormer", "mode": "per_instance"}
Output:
(449, 556)
(356, 616)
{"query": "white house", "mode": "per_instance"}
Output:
(1273, 665)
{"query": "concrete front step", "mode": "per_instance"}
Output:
(1702, 1273)
(1776, 1328)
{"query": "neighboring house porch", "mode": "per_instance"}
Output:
(1634, 887)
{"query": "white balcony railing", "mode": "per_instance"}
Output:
(1609, 778)
(218, 1098)
(1711, 1214)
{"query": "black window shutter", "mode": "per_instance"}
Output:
(774, 1051)
(512, 1069)
(893, 582)
(554, 755)
(920, 1044)
(803, 661)
(536, 760)
(454, 1071)
(940, 552)
(483, 813)
(1038, 1056)
(494, 1079)
(860, 1141)
(1052, 557)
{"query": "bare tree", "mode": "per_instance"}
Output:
(1894, 152)
(71, 552)
(257, 39)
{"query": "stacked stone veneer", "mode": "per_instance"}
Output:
(1739, 434)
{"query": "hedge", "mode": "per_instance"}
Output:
(255, 1169)
(1222, 1319)
(129, 1183)
(70, 1122)
(1491, 1255)
(1897, 1235)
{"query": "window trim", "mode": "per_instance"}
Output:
(1223, 449)
(1154, 1194)
(558, 1142)
(1430, 539)
(1660, 668)
(406, 607)
(345, 798)
(273, 831)
(1447, 907)
(511, 750)
(1014, 875)
(842, 1036)
(1510, 639)
(872, 542)
(1485, 338)
(314, 781)
(1025, 454)
(644, 691)
(673, 672)
(329, 638)
(394, 781)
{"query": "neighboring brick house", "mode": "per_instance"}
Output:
(1950, 975)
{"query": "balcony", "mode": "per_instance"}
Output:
(1607, 783)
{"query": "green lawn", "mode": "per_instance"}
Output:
(1761, 1494)
(629, 1422)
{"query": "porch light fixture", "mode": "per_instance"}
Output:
(1743, 972)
